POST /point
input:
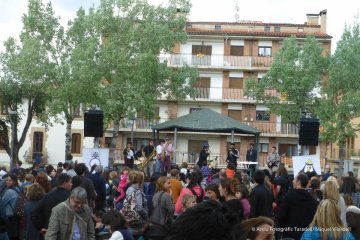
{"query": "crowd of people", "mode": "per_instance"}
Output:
(72, 201)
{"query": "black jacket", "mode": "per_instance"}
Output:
(40, 216)
(261, 202)
(297, 210)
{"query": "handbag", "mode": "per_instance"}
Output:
(130, 214)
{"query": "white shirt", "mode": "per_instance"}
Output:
(116, 236)
(159, 149)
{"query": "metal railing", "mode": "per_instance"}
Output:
(218, 60)
(221, 93)
(334, 154)
(265, 127)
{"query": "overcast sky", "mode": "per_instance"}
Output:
(275, 11)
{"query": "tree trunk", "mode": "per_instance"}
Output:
(68, 136)
(112, 152)
(14, 146)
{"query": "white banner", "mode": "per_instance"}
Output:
(98, 156)
(306, 164)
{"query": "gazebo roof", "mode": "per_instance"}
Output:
(206, 120)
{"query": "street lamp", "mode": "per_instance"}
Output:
(12, 118)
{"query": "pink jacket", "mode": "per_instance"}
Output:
(184, 191)
(123, 181)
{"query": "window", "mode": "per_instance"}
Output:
(235, 114)
(217, 27)
(236, 50)
(288, 149)
(38, 143)
(262, 116)
(76, 143)
(201, 50)
(236, 83)
(264, 147)
(264, 51)
(267, 28)
(203, 82)
(277, 29)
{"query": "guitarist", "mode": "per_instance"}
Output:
(273, 160)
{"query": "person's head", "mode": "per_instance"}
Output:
(251, 146)
(80, 169)
(327, 168)
(203, 221)
(99, 169)
(50, 170)
(331, 191)
(12, 180)
(348, 185)
(315, 183)
(327, 216)
(232, 145)
(136, 177)
(230, 166)
(151, 142)
(35, 192)
(77, 199)
(259, 228)
(227, 187)
(300, 181)
(350, 174)
(43, 180)
(282, 170)
(114, 219)
(65, 165)
(29, 178)
(188, 201)
(60, 165)
(113, 175)
(69, 157)
(349, 201)
(129, 145)
(174, 173)
(334, 180)
(273, 149)
(242, 191)
(184, 165)
(212, 192)
(162, 141)
(259, 177)
(205, 146)
(163, 184)
(64, 181)
(98, 216)
(194, 179)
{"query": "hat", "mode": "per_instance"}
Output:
(205, 145)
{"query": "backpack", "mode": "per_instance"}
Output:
(198, 198)
(131, 215)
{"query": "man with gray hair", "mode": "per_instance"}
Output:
(100, 187)
(72, 219)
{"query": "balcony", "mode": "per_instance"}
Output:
(218, 61)
(232, 94)
(270, 128)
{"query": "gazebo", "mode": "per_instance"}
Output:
(206, 120)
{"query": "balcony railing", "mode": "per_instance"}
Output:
(218, 93)
(139, 123)
(334, 154)
(218, 60)
(265, 127)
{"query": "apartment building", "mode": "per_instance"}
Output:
(226, 54)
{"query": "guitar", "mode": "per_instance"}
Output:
(273, 164)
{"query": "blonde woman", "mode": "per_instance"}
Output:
(327, 224)
(188, 201)
(331, 192)
(135, 208)
(164, 208)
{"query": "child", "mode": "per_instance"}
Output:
(100, 228)
(116, 223)
(188, 201)
(122, 184)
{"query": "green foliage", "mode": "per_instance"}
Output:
(296, 75)
(135, 34)
(342, 91)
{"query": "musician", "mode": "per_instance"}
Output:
(204, 154)
(160, 156)
(273, 160)
(251, 156)
(148, 149)
(233, 155)
(168, 150)
(129, 155)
